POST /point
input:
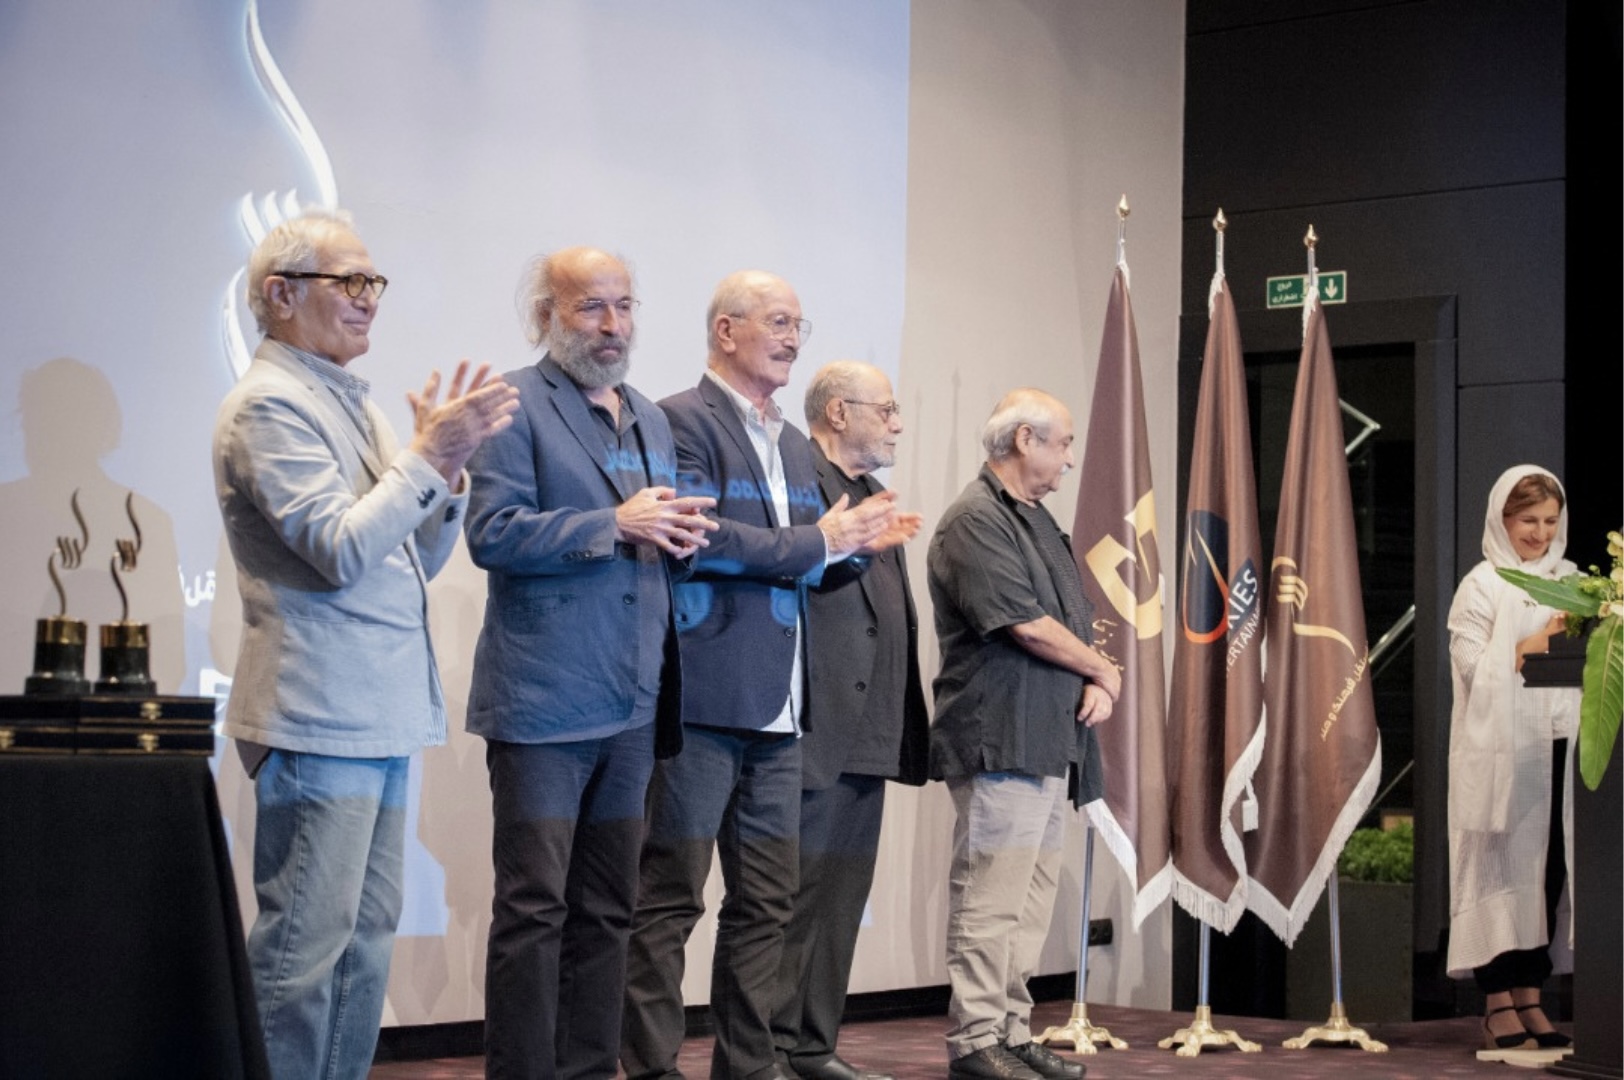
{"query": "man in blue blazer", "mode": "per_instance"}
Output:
(575, 515)
(736, 785)
(335, 531)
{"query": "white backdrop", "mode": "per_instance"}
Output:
(695, 138)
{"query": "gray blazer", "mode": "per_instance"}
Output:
(559, 651)
(334, 541)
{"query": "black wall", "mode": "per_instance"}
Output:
(1439, 151)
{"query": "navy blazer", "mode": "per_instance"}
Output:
(737, 615)
(558, 651)
(841, 661)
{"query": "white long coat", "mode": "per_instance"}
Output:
(1500, 763)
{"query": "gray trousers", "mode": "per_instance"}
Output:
(1007, 849)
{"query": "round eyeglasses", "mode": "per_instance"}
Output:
(354, 284)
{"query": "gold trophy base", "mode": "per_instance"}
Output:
(1079, 1034)
(59, 658)
(1336, 1030)
(1201, 1034)
(124, 659)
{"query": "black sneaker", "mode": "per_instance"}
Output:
(1045, 1062)
(990, 1063)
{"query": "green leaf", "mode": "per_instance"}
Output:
(1602, 706)
(1564, 595)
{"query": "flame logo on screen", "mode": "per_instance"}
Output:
(260, 217)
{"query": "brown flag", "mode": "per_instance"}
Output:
(1114, 541)
(1322, 758)
(1214, 724)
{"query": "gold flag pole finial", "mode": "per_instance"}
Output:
(1219, 224)
(1122, 230)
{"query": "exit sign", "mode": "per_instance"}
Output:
(1286, 292)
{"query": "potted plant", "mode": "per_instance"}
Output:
(1598, 603)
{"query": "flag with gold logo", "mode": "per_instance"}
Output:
(1214, 726)
(1322, 759)
(1114, 540)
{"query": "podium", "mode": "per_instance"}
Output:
(1598, 896)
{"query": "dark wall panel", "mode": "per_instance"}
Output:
(1499, 249)
(1373, 103)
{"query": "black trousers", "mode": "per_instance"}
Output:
(840, 836)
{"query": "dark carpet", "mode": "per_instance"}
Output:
(912, 1050)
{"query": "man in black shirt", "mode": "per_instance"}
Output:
(1019, 692)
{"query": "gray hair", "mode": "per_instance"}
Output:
(1034, 408)
(291, 245)
(538, 288)
(738, 294)
(840, 379)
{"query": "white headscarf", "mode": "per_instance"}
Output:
(1484, 739)
(1497, 542)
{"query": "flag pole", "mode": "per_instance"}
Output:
(1337, 1029)
(1201, 1033)
(1078, 1033)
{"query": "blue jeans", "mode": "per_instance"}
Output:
(741, 795)
(328, 843)
(569, 825)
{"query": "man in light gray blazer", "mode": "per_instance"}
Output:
(576, 683)
(335, 531)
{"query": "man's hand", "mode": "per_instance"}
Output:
(656, 515)
(446, 435)
(1096, 705)
(1107, 678)
(848, 529)
(905, 525)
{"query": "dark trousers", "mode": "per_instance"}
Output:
(568, 829)
(741, 793)
(1531, 967)
(840, 836)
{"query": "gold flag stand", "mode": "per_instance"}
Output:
(1078, 1033)
(1336, 1030)
(1201, 1034)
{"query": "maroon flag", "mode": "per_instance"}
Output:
(1214, 724)
(1322, 759)
(1114, 541)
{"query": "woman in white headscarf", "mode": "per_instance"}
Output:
(1510, 769)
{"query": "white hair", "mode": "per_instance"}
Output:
(292, 245)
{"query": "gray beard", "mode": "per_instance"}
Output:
(575, 356)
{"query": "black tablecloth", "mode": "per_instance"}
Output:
(121, 944)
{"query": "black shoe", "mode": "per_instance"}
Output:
(1046, 1063)
(990, 1063)
(1547, 1040)
(835, 1068)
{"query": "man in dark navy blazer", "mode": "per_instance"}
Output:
(575, 516)
(736, 784)
(867, 723)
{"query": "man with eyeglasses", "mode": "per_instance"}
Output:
(576, 519)
(335, 530)
(736, 785)
(866, 722)
(1017, 698)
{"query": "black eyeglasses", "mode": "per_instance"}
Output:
(888, 409)
(354, 284)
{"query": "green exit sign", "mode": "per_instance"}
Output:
(1290, 291)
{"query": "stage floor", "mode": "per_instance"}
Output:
(912, 1050)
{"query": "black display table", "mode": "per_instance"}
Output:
(121, 943)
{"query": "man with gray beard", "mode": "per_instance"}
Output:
(575, 517)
